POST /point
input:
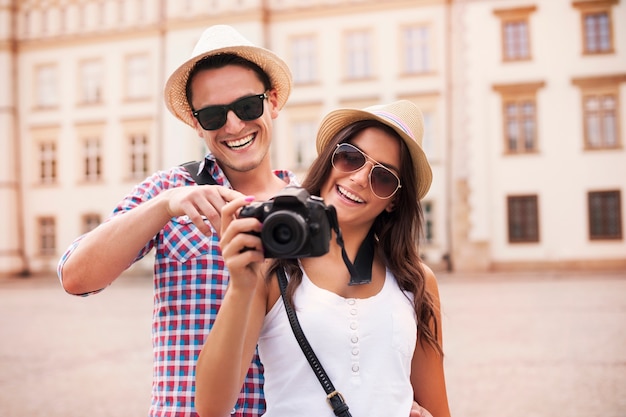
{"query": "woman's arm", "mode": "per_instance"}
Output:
(227, 352)
(427, 373)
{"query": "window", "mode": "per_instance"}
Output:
(428, 237)
(63, 19)
(82, 18)
(137, 77)
(138, 156)
(358, 56)
(45, 17)
(101, 14)
(91, 82)
(47, 162)
(92, 159)
(523, 219)
(303, 134)
(46, 82)
(47, 235)
(429, 139)
(417, 49)
(596, 25)
(90, 221)
(519, 116)
(605, 215)
(515, 33)
(600, 110)
(303, 64)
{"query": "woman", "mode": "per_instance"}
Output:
(380, 342)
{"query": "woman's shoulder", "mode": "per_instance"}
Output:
(430, 280)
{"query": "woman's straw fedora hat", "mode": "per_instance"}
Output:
(402, 116)
(222, 39)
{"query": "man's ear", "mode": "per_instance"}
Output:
(272, 98)
(196, 126)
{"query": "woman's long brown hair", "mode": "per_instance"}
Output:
(397, 232)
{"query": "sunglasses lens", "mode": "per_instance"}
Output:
(384, 182)
(348, 159)
(212, 118)
(248, 108)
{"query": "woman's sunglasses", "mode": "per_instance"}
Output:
(383, 181)
(246, 108)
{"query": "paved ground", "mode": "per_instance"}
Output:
(534, 345)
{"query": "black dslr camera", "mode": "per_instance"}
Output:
(295, 224)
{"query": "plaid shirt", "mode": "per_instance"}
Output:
(190, 280)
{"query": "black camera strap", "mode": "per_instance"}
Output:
(334, 397)
(361, 270)
(201, 178)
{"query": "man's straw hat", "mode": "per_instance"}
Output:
(402, 116)
(222, 39)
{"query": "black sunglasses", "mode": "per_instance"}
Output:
(246, 108)
(383, 181)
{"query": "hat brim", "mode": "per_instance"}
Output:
(275, 68)
(336, 120)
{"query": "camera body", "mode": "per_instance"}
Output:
(295, 224)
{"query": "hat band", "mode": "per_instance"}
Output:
(395, 120)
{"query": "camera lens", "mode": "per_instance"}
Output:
(284, 233)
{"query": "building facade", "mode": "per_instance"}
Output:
(521, 101)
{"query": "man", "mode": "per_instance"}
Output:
(229, 92)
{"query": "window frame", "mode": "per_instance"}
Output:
(598, 86)
(363, 53)
(48, 166)
(527, 237)
(47, 82)
(603, 215)
(46, 235)
(414, 50)
(138, 155)
(515, 15)
(591, 7)
(519, 93)
(91, 82)
(303, 50)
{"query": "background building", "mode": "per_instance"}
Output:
(521, 99)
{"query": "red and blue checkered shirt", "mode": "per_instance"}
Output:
(190, 280)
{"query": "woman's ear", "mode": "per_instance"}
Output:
(391, 206)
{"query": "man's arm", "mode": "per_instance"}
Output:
(108, 250)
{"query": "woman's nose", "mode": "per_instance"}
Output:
(361, 175)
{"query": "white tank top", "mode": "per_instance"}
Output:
(365, 346)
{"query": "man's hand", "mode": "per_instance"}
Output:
(200, 203)
(419, 411)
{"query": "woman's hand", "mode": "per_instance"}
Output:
(241, 244)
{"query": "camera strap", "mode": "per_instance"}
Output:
(361, 270)
(201, 177)
(334, 397)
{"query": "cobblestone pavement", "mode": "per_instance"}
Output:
(517, 345)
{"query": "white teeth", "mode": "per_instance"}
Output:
(240, 143)
(349, 195)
